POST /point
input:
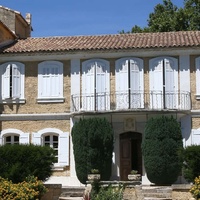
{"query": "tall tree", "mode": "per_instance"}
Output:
(168, 17)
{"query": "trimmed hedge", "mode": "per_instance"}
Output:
(191, 167)
(93, 146)
(20, 161)
(161, 147)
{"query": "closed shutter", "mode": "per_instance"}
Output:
(156, 83)
(122, 84)
(63, 151)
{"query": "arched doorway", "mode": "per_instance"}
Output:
(130, 154)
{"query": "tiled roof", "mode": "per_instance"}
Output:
(106, 42)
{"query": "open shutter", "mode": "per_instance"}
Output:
(63, 149)
(195, 137)
(16, 81)
(6, 82)
(36, 139)
(122, 84)
(24, 138)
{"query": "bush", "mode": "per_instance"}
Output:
(106, 192)
(20, 161)
(161, 147)
(31, 189)
(191, 167)
(93, 146)
(195, 189)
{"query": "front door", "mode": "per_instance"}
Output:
(130, 154)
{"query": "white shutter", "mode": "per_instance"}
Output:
(16, 81)
(1, 140)
(171, 83)
(36, 139)
(121, 74)
(6, 81)
(24, 138)
(136, 80)
(88, 86)
(195, 137)
(54, 81)
(63, 149)
(156, 83)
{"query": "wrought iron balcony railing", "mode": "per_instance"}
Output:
(153, 100)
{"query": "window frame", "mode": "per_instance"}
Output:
(42, 98)
(10, 97)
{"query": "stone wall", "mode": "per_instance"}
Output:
(54, 191)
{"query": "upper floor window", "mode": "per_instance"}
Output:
(163, 74)
(12, 82)
(129, 83)
(50, 81)
(95, 85)
(198, 78)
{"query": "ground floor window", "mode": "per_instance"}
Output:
(11, 139)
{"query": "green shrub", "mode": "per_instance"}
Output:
(19, 161)
(161, 146)
(106, 192)
(195, 189)
(31, 189)
(191, 167)
(93, 146)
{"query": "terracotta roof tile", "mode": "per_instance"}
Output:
(106, 42)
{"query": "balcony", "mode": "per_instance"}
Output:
(153, 100)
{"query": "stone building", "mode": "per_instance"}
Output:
(47, 84)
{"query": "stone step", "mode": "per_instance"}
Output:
(154, 198)
(72, 192)
(70, 198)
(157, 195)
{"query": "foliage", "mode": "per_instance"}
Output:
(31, 189)
(20, 161)
(168, 17)
(93, 146)
(161, 150)
(195, 189)
(133, 172)
(191, 167)
(106, 193)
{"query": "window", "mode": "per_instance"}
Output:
(198, 78)
(129, 83)
(56, 139)
(96, 85)
(12, 139)
(52, 141)
(164, 83)
(12, 82)
(13, 136)
(50, 81)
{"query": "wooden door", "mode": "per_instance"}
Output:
(125, 159)
(130, 154)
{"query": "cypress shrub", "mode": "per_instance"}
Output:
(20, 161)
(93, 146)
(191, 167)
(161, 149)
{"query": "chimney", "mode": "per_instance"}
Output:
(28, 19)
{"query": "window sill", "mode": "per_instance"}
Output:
(57, 167)
(12, 101)
(50, 100)
(197, 96)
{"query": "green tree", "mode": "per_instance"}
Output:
(93, 146)
(161, 147)
(168, 17)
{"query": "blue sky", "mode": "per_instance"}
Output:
(84, 17)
